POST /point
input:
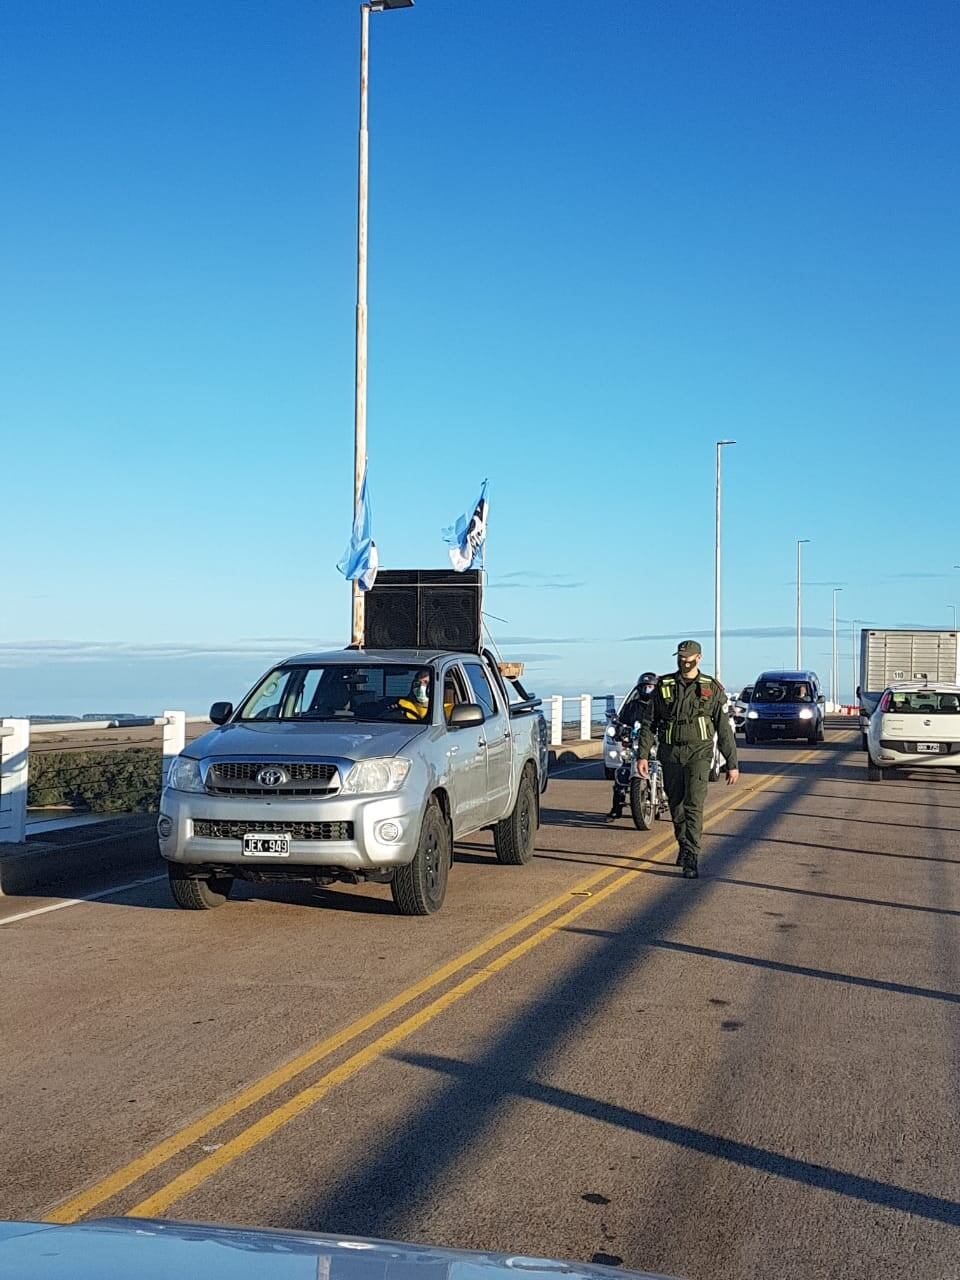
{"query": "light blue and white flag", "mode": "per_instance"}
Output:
(467, 537)
(360, 561)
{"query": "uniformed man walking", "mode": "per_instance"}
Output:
(687, 711)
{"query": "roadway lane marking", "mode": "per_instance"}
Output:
(82, 1203)
(74, 1208)
(264, 1128)
(78, 902)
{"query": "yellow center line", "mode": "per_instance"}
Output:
(85, 1201)
(276, 1119)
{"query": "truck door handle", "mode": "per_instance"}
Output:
(452, 751)
(482, 744)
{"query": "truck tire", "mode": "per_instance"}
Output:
(608, 773)
(749, 737)
(420, 887)
(515, 836)
(863, 742)
(874, 772)
(642, 807)
(197, 892)
(821, 732)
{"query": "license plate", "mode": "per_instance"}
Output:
(271, 846)
(778, 726)
(930, 748)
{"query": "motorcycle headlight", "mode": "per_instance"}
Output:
(806, 713)
(753, 715)
(372, 777)
(611, 730)
(184, 774)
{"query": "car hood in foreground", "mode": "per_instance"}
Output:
(120, 1248)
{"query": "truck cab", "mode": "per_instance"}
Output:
(355, 765)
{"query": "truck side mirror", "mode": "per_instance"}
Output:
(858, 691)
(821, 701)
(221, 712)
(466, 715)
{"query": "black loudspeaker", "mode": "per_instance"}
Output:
(424, 609)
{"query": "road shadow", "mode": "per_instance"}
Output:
(395, 1184)
(749, 1156)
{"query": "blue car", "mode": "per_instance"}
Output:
(785, 704)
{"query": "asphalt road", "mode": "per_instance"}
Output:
(754, 1074)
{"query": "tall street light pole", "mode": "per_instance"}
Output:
(835, 670)
(721, 444)
(801, 542)
(856, 656)
(360, 383)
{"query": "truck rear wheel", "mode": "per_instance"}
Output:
(874, 772)
(420, 887)
(197, 892)
(515, 836)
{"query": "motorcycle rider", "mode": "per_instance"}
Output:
(637, 708)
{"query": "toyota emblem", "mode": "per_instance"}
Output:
(272, 777)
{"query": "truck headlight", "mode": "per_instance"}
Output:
(184, 774)
(753, 715)
(806, 713)
(371, 777)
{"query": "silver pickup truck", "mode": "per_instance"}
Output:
(356, 765)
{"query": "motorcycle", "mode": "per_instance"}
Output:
(647, 796)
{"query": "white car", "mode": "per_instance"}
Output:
(915, 726)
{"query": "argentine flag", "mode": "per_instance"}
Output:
(360, 561)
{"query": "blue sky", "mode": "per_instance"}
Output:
(601, 238)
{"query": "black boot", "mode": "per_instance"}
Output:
(690, 871)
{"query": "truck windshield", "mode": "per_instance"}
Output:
(782, 691)
(387, 693)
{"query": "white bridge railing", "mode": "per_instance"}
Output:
(568, 719)
(15, 738)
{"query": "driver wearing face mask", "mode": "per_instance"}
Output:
(417, 702)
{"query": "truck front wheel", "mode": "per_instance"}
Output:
(420, 887)
(515, 836)
(195, 891)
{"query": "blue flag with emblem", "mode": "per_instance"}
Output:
(360, 560)
(468, 536)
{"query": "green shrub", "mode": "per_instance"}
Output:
(102, 781)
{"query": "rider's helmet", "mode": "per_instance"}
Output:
(646, 684)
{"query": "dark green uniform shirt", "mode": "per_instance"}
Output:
(687, 713)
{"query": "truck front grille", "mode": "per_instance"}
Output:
(300, 778)
(214, 829)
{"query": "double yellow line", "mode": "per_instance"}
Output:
(590, 890)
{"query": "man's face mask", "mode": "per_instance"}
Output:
(687, 665)
(421, 692)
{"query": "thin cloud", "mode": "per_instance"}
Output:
(535, 580)
(913, 576)
(25, 653)
(507, 641)
(736, 633)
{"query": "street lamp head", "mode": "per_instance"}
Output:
(721, 443)
(378, 6)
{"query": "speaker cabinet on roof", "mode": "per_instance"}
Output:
(424, 609)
